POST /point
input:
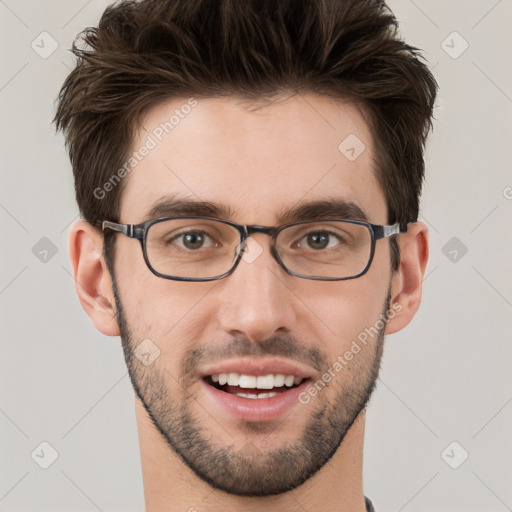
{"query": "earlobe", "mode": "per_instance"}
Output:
(407, 282)
(92, 279)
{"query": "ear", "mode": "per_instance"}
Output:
(406, 283)
(92, 279)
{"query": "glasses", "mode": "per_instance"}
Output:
(206, 249)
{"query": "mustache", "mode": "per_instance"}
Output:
(286, 346)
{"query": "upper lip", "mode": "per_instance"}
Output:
(257, 366)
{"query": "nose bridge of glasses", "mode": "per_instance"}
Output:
(257, 249)
(268, 230)
(251, 229)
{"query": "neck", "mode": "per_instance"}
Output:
(170, 485)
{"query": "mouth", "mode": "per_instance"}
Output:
(256, 390)
(254, 386)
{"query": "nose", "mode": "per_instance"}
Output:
(257, 299)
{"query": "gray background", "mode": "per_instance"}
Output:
(445, 378)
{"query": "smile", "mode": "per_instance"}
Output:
(248, 386)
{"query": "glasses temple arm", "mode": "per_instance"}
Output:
(125, 229)
(386, 231)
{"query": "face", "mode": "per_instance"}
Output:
(259, 321)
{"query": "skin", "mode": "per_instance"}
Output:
(274, 156)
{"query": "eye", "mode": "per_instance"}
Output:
(319, 240)
(193, 240)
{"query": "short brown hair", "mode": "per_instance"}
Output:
(148, 51)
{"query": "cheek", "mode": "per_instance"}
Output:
(156, 308)
(342, 311)
(349, 311)
(136, 289)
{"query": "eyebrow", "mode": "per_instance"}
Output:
(170, 206)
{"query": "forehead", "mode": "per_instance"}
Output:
(256, 160)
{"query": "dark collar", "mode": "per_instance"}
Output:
(369, 505)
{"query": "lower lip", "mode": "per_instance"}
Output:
(255, 409)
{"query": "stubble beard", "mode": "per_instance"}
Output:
(248, 470)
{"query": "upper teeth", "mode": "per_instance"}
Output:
(252, 381)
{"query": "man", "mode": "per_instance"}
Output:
(249, 176)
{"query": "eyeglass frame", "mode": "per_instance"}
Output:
(139, 232)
